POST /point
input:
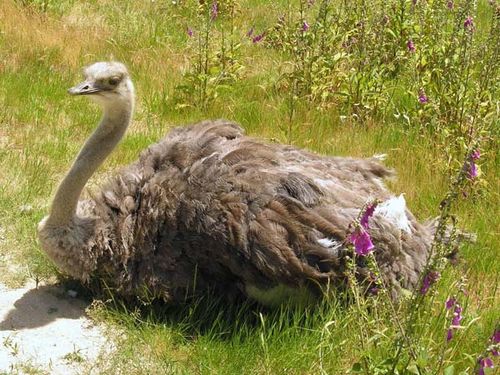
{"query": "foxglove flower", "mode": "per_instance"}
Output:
(422, 98)
(257, 38)
(250, 32)
(495, 339)
(449, 334)
(450, 303)
(305, 26)
(370, 209)
(362, 242)
(472, 170)
(457, 315)
(484, 363)
(429, 279)
(214, 12)
(189, 32)
(471, 166)
(411, 46)
(469, 24)
(496, 336)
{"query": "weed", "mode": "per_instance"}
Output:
(11, 345)
(75, 356)
(214, 64)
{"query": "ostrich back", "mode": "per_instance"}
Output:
(210, 207)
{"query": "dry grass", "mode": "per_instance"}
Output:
(35, 37)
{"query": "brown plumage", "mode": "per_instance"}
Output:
(208, 207)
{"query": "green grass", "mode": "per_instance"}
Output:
(41, 130)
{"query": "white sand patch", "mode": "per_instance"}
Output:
(47, 329)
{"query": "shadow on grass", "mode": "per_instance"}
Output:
(218, 317)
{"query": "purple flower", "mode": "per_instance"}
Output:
(471, 166)
(472, 172)
(449, 334)
(370, 209)
(469, 23)
(457, 315)
(362, 242)
(422, 98)
(496, 336)
(484, 363)
(189, 32)
(258, 38)
(450, 303)
(487, 362)
(305, 26)
(214, 12)
(450, 4)
(411, 46)
(250, 32)
(429, 279)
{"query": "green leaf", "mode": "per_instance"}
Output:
(413, 369)
(450, 370)
(392, 33)
(357, 367)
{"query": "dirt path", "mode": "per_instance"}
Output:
(46, 329)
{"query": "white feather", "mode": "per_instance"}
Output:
(380, 157)
(394, 210)
(324, 183)
(326, 242)
(332, 245)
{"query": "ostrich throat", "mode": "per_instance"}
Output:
(112, 127)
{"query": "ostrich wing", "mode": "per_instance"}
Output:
(208, 205)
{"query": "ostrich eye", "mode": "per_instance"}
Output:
(113, 81)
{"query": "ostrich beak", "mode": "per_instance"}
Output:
(84, 88)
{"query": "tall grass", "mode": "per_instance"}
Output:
(348, 83)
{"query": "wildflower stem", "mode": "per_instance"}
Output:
(434, 255)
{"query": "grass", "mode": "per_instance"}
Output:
(42, 47)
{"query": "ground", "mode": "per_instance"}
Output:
(45, 329)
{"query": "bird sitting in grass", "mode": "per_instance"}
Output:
(208, 207)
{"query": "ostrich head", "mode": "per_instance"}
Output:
(107, 83)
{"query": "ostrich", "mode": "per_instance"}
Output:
(208, 207)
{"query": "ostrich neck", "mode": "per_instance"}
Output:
(111, 129)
